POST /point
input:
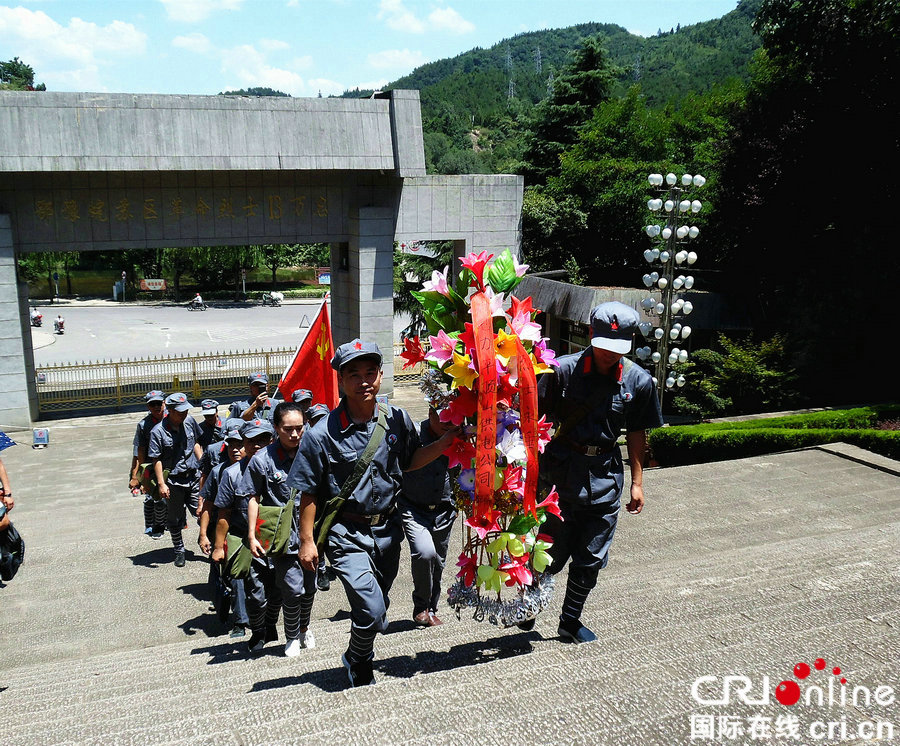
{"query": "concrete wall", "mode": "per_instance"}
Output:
(15, 406)
(45, 131)
(482, 210)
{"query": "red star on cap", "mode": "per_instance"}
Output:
(358, 346)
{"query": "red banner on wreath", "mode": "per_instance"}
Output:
(486, 435)
(528, 424)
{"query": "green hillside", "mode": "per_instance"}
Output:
(473, 88)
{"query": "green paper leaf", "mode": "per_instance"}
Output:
(501, 275)
(540, 560)
(521, 525)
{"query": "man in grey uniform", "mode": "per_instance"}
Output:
(428, 513)
(591, 397)
(258, 404)
(363, 544)
(154, 510)
(175, 452)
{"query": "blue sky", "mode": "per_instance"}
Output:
(301, 47)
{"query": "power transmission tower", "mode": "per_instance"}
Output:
(550, 83)
(537, 60)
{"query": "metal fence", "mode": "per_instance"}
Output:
(120, 385)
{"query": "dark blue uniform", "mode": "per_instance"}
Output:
(585, 463)
(428, 513)
(363, 545)
(236, 409)
(155, 511)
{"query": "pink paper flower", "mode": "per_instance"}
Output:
(551, 503)
(442, 347)
(464, 405)
(543, 433)
(543, 354)
(483, 525)
(476, 264)
(525, 328)
(468, 567)
(438, 282)
(521, 269)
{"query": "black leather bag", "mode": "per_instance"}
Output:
(12, 552)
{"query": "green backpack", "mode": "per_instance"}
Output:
(273, 527)
(237, 557)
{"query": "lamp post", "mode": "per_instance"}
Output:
(669, 258)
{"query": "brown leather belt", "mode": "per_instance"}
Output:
(373, 519)
(587, 450)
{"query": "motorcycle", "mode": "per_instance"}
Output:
(37, 318)
(196, 305)
(59, 325)
(272, 299)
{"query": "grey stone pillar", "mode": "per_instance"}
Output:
(15, 408)
(362, 290)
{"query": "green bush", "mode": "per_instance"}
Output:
(718, 441)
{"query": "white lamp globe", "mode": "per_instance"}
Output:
(671, 178)
(670, 382)
(670, 205)
(660, 309)
(684, 205)
(663, 256)
(696, 206)
(648, 303)
(656, 357)
(680, 381)
(699, 180)
(655, 382)
(682, 356)
(666, 232)
(649, 230)
(646, 279)
(654, 276)
(681, 257)
(682, 231)
(673, 334)
(662, 282)
(693, 231)
(645, 327)
(687, 179)
(658, 333)
(688, 282)
(686, 332)
(655, 179)
(688, 307)
(677, 283)
(648, 255)
(656, 252)
(691, 257)
(673, 358)
(677, 305)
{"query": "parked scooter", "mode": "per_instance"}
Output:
(273, 299)
(37, 318)
(59, 325)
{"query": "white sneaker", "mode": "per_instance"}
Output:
(293, 647)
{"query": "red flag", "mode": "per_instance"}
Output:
(311, 367)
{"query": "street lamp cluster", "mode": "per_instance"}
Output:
(670, 258)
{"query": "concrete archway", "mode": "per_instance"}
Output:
(115, 171)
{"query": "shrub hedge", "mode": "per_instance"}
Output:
(718, 441)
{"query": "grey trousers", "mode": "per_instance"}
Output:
(428, 534)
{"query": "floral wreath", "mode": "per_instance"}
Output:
(481, 373)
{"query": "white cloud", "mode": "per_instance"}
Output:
(447, 19)
(248, 65)
(273, 45)
(396, 59)
(67, 56)
(195, 42)
(399, 18)
(193, 11)
(371, 85)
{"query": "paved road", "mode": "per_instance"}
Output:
(116, 332)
